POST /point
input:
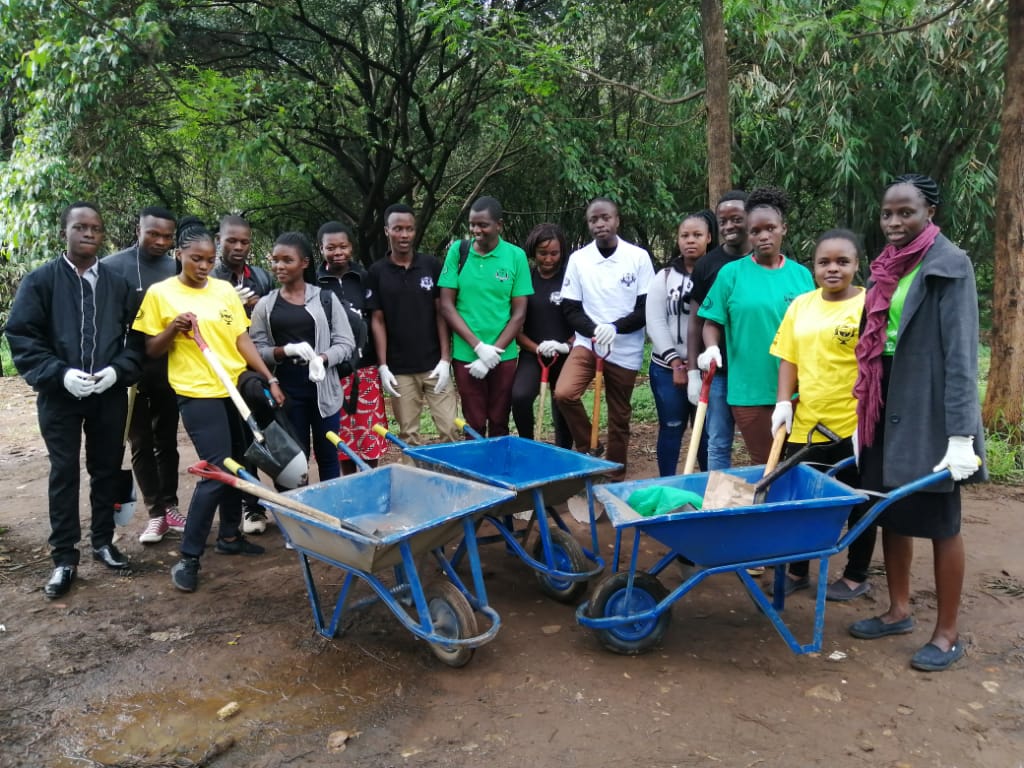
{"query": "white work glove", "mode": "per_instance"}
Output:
(604, 334)
(782, 415)
(694, 382)
(104, 380)
(244, 293)
(489, 354)
(959, 458)
(478, 369)
(317, 370)
(300, 349)
(388, 380)
(79, 383)
(443, 373)
(550, 348)
(711, 353)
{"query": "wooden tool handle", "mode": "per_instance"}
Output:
(776, 451)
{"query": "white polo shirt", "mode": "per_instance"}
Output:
(608, 289)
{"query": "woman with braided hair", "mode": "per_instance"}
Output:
(917, 407)
(168, 311)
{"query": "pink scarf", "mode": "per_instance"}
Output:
(886, 272)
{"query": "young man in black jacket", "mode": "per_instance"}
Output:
(69, 337)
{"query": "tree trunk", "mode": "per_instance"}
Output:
(716, 68)
(1004, 400)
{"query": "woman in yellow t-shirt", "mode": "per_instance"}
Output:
(816, 344)
(215, 428)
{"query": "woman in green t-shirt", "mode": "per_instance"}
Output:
(746, 304)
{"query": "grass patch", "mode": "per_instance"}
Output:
(1004, 454)
(5, 358)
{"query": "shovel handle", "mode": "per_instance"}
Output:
(705, 387)
(776, 452)
(545, 368)
(225, 379)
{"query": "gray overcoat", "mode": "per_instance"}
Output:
(933, 387)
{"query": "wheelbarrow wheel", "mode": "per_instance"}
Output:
(568, 556)
(610, 600)
(452, 616)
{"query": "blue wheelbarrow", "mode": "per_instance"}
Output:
(381, 519)
(539, 475)
(801, 518)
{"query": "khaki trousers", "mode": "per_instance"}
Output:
(417, 391)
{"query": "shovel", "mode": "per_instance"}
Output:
(545, 372)
(725, 490)
(124, 507)
(273, 450)
(698, 421)
(249, 484)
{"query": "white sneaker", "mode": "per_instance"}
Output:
(254, 522)
(155, 531)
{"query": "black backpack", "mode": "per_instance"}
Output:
(360, 330)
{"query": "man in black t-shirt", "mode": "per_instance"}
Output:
(735, 243)
(412, 339)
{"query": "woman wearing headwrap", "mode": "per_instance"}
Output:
(917, 409)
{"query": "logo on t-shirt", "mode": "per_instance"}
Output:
(555, 297)
(227, 317)
(844, 334)
(427, 283)
(628, 279)
(502, 275)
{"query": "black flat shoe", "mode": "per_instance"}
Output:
(110, 557)
(60, 581)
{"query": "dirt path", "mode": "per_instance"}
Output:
(129, 672)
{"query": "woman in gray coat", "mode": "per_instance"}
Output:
(918, 411)
(296, 338)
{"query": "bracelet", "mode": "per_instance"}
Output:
(273, 380)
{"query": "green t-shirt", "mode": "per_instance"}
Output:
(899, 296)
(749, 301)
(486, 286)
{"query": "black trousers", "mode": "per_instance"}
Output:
(216, 431)
(526, 387)
(62, 421)
(153, 434)
(863, 547)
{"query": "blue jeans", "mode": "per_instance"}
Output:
(719, 425)
(674, 410)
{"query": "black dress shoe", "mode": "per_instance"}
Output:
(110, 557)
(60, 581)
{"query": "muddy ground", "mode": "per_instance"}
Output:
(127, 671)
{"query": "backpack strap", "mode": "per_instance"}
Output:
(325, 301)
(463, 254)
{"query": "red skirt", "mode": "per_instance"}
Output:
(357, 428)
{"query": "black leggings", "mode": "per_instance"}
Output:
(525, 388)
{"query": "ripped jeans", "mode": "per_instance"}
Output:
(674, 412)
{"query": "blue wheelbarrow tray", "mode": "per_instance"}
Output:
(804, 514)
(517, 464)
(390, 505)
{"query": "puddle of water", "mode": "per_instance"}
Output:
(184, 723)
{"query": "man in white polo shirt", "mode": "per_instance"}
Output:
(603, 297)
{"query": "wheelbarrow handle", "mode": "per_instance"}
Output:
(460, 423)
(345, 448)
(387, 434)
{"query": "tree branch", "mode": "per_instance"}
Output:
(913, 27)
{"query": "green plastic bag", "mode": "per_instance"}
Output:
(660, 500)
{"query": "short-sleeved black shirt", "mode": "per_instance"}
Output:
(544, 317)
(407, 297)
(703, 276)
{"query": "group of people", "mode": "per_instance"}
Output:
(892, 370)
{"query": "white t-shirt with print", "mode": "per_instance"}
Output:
(608, 289)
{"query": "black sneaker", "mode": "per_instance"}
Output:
(239, 546)
(185, 574)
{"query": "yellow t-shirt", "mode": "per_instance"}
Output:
(222, 320)
(819, 337)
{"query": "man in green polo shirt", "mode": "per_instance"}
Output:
(483, 300)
